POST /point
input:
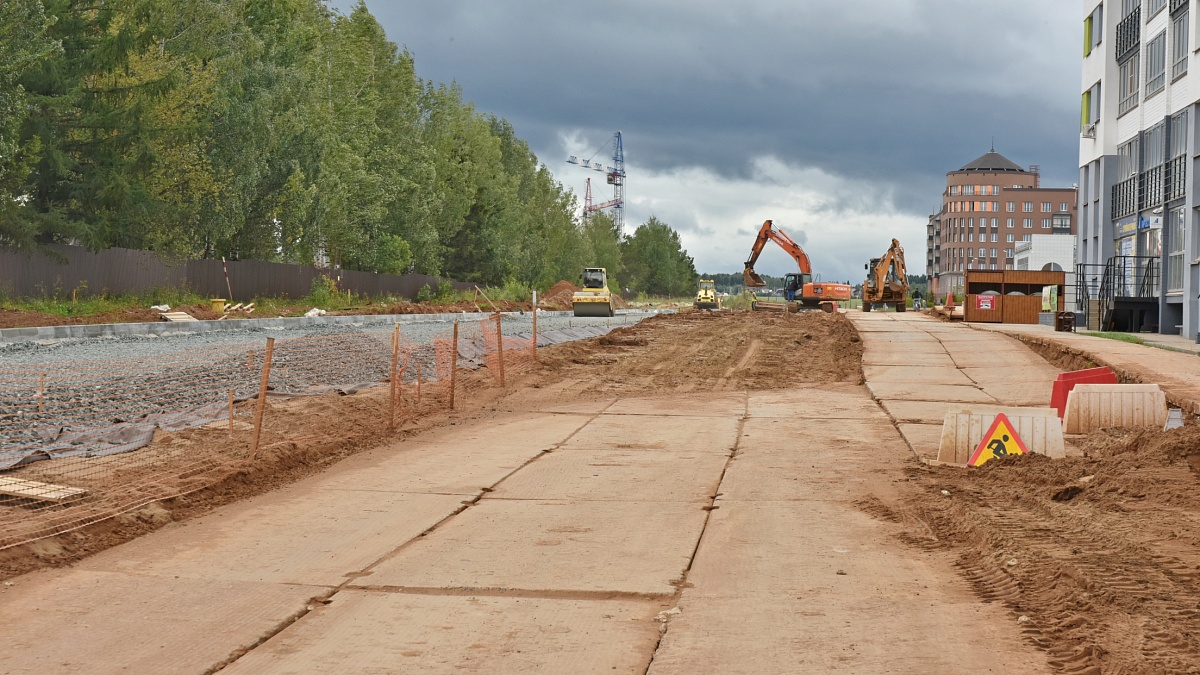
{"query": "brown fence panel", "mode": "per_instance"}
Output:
(1022, 308)
(60, 269)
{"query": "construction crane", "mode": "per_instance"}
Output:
(615, 175)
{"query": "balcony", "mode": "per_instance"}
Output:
(1129, 34)
(1177, 5)
(1176, 178)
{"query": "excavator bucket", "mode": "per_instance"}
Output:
(751, 278)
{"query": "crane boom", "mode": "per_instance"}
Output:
(772, 233)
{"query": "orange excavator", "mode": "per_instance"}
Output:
(800, 290)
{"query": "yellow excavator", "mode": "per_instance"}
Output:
(594, 299)
(887, 280)
(706, 296)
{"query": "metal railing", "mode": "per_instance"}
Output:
(1129, 33)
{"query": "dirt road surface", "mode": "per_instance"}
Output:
(701, 493)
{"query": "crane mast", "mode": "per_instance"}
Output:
(614, 175)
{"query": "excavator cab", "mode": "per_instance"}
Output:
(793, 285)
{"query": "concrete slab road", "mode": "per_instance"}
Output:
(652, 534)
(952, 367)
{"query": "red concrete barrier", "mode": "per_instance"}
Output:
(1067, 381)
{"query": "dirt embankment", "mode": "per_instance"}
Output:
(703, 351)
(1100, 554)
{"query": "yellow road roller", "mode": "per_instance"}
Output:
(594, 299)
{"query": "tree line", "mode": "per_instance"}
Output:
(280, 130)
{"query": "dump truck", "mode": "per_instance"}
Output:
(706, 296)
(887, 280)
(800, 291)
(594, 299)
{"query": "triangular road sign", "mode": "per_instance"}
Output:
(1000, 440)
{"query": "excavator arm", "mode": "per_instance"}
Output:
(770, 232)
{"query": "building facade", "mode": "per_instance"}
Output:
(988, 207)
(1139, 239)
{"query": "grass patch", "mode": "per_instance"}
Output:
(1122, 337)
(82, 303)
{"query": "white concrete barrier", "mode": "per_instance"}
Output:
(1039, 428)
(1096, 406)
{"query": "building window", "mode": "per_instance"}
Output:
(1156, 64)
(1011, 223)
(1175, 249)
(983, 253)
(1028, 207)
(1129, 84)
(995, 222)
(1152, 7)
(995, 237)
(1012, 206)
(1028, 237)
(1061, 221)
(1027, 223)
(1045, 223)
(1064, 207)
(1046, 207)
(1010, 238)
(971, 236)
(1179, 45)
(968, 189)
(993, 253)
(1008, 253)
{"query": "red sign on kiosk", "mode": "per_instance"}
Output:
(987, 302)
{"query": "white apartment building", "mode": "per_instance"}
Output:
(1139, 203)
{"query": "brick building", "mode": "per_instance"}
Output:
(988, 206)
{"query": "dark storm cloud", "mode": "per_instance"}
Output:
(887, 94)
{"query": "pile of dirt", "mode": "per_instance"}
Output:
(1100, 553)
(706, 351)
(558, 297)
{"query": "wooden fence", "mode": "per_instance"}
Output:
(58, 270)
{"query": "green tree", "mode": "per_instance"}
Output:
(655, 262)
(24, 43)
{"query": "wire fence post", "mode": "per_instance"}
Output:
(262, 397)
(231, 413)
(500, 348)
(535, 325)
(392, 378)
(41, 391)
(453, 363)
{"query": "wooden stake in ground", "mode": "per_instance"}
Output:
(392, 378)
(500, 348)
(535, 325)
(453, 363)
(231, 413)
(262, 397)
(418, 383)
(227, 286)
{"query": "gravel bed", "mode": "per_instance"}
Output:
(100, 350)
(93, 387)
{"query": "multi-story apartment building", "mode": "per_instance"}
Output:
(989, 206)
(1139, 238)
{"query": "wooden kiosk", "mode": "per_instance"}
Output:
(1010, 296)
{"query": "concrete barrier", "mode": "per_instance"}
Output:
(1039, 428)
(1096, 406)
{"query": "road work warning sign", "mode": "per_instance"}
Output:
(1000, 440)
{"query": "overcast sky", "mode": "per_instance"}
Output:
(836, 118)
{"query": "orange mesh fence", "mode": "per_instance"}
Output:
(75, 437)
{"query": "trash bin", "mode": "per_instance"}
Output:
(1064, 321)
